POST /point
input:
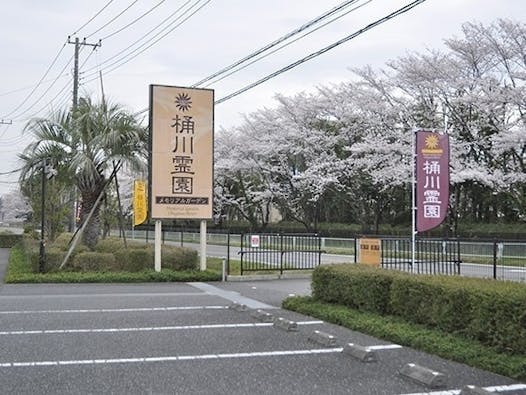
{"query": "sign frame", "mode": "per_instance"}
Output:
(169, 111)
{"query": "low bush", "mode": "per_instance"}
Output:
(179, 258)
(134, 259)
(94, 261)
(399, 331)
(8, 240)
(491, 312)
(354, 286)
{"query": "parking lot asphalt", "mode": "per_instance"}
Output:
(176, 338)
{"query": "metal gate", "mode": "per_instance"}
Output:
(432, 256)
(279, 252)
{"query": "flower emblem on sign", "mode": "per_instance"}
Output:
(183, 102)
(432, 141)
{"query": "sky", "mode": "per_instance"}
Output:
(171, 47)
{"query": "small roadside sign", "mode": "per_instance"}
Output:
(254, 241)
(370, 252)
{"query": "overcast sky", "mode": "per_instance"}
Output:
(221, 32)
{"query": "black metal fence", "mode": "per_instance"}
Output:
(432, 256)
(279, 252)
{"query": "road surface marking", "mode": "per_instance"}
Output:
(498, 388)
(125, 310)
(148, 329)
(95, 295)
(230, 295)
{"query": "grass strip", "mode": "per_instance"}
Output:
(396, 330)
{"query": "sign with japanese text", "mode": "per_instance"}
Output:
(181, 152)
(370, 252)
(254, 241)
(139, 202)
(432, 179)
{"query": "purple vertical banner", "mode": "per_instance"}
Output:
(432, 179)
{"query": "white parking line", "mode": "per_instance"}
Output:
(385, 347)
(498, 388)
(105, 295)
(178, 358)
(148, 329)
(126, 310)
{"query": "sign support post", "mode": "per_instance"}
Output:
(158, 240)
(202, 264)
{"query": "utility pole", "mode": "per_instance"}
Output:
(77, 43)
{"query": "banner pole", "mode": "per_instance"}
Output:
(413, 199)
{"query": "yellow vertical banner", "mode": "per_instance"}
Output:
(139, 202)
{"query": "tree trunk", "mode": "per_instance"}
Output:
(91, 234)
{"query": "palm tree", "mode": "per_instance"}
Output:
(89, 145)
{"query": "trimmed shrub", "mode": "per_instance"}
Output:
(491, 312)
(179, 258)
(355, 286)
(112, 244)
(8, 240)
(94, 261)
(134, 260)
(109, 244)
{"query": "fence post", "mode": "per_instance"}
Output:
(241, 252)
(228, 252)
(355, 249)
(495, 259)
(458, 256)
(319, 249)
(281, 254)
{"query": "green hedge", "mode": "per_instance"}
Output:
(179, 258)
(491, 312)
(94, 261)
(134, 259)
(8, 240)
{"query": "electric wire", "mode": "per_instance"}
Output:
(19, 116)
(380, 21)
(108, 69)
(265, 48)
(141, 38)
(38, 83)
(264, 55)
(112, 19)
(279, 40)
(133, 22)
(92, 18)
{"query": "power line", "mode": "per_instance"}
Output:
(92, 18)
(305, 26)
(123, 60)
(134, 21)
(141, 38)
(264, 55)
(112, 19)
(322, 51)
(38, 83)
(279, 40)
(18, 117)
